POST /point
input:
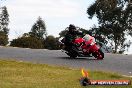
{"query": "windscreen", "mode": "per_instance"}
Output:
(86, 37)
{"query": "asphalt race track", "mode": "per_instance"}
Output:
(121, 64)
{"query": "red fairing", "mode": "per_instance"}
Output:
(78, 40)
(92, 48)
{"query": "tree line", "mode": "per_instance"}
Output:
(37, 38)
(114, 25)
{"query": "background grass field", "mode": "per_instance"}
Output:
(14, 74)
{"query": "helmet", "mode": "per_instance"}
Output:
(72, 28)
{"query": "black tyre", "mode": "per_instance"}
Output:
(72, 55)
(99, 54)
(72, 52)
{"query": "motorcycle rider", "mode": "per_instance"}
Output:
(71, 35)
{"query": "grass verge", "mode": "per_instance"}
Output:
(27, 75)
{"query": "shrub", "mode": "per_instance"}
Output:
(51, 43)
(27, 42)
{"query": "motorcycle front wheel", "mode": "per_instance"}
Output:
(99, 54)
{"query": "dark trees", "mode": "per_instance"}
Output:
(115, 21)
(4, 22)
(39, 29)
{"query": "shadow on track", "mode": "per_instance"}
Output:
(78, 58)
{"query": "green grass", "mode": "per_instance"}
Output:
(27, 75)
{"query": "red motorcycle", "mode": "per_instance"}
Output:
(84, 47)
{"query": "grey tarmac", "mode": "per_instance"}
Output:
(115, 63)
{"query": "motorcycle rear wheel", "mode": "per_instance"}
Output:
(72, 55)
(72, 52)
